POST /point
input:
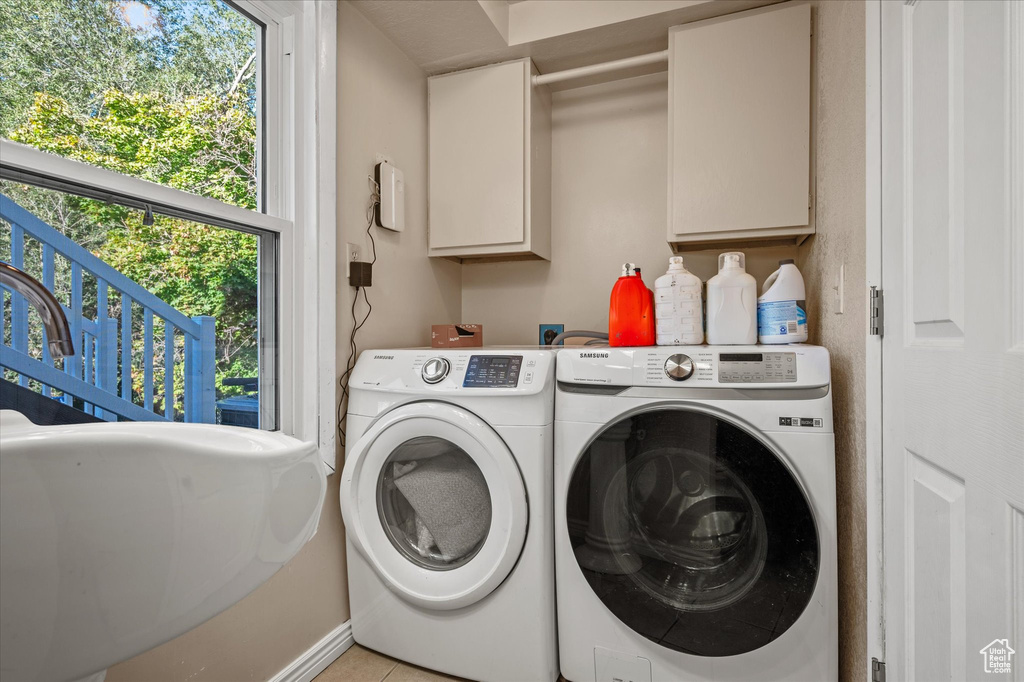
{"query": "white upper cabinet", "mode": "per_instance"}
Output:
(740, 129)
(489, 164)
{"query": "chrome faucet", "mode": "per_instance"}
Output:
(58, 332)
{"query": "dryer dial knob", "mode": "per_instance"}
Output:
(678, 367)
(435, 370)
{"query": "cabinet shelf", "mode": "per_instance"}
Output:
(740, 159)
(489, 165)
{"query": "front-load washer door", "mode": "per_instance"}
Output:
(433, 499)
(692, 531)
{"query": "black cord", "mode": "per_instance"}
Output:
(374, 202)
(373, 244)
(349, 366)
(353, 347)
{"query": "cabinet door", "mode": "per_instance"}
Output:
(477, 141)
(739, 124)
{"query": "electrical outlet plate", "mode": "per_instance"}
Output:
(352, 253)
(549, 331)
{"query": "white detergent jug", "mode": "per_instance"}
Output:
(781, 309)
(677, 306)
(732, 302)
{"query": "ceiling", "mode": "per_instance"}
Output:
(449, 35)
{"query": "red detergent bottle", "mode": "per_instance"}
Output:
(631, 311)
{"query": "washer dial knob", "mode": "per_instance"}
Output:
(678, 367)
(435, 370)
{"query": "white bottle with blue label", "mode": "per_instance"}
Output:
(782, 308)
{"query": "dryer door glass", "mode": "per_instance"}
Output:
(434, 503)
(693, 532)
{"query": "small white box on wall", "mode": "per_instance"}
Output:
(390, 211)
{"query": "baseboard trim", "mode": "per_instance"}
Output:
(319, 656)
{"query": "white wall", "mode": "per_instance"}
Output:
(608, 196)
(383, 109)
(841, 240)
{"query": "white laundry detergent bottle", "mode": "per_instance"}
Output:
(677, 306)
(732, 302)
(781, 309)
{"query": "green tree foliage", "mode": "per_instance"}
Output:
(69, 48)
(201, 144)
(172, 102)
(79, 49)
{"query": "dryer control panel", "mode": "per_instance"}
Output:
(433, 371)
(492, 371)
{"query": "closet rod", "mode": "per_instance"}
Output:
(568, 74)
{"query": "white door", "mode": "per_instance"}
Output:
(953, 346)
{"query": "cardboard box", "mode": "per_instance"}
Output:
(457, 336)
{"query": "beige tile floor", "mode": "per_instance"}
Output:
(359, 664)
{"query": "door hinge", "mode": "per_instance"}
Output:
(876, 311)
(877, 670)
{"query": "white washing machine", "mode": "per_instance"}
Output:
(695, 514)
(446, 496)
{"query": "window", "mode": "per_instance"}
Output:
(165, 311)
(165, 92)
(192, 265)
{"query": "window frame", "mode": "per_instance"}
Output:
(298, 160)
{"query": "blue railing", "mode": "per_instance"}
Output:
(100, 372)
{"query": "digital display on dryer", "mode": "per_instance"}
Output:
(493, 371)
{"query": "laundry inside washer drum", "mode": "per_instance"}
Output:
(434, 503)
(700, 525)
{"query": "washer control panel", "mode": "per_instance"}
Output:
(696, 367)
(678, 367)
(493, 371)
(756, 368)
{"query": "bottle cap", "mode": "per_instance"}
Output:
(675, 263)
(733, 260)
(627, 269)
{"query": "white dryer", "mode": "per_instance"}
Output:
(695, 514)
(446, 496)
